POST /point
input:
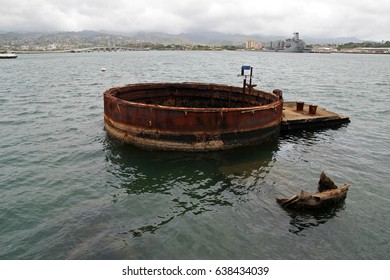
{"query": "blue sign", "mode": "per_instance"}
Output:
(243, 68)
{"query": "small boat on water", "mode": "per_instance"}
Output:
(7, 55)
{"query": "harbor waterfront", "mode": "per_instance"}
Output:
(70, 191)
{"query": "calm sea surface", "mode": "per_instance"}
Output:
(68, 191)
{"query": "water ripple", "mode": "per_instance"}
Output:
(71, 192)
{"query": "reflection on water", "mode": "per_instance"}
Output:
(312, 136)
(306, 219)
(183, 183)
(67, 191)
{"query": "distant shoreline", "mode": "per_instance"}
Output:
(352, 51)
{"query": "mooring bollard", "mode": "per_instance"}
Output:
(300, 105)
(312, 109)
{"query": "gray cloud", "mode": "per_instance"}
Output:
(365, 19)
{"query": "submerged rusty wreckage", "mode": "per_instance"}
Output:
(198, 117)
(328, 195)
(205, 117)
(192, 116)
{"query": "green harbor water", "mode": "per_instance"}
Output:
(69, 191)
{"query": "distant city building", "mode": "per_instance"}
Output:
(252, 45)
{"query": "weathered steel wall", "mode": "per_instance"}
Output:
(128, 116)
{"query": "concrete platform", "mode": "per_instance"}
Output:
(301, 120)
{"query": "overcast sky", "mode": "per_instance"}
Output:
(364, 19)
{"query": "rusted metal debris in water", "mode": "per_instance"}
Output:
(327, 196)
(299, 116)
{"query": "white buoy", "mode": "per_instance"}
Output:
(103, 69)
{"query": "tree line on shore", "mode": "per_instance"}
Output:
(352, 45)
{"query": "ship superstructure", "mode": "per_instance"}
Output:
(294, 44)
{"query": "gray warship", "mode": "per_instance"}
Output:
(293, 44)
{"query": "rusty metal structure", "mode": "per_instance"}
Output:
(328, 195)
(191, 116)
